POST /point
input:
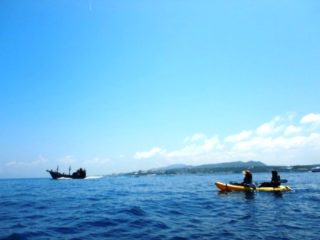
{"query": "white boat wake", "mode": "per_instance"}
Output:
(94, 177)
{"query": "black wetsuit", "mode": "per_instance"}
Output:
(247, 179)
(275, 181)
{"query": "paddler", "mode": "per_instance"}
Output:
(247, 180)
(275, 180)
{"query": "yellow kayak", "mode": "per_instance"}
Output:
(232, 187)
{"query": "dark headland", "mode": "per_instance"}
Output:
(228, 167)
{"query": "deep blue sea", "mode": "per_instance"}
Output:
(158, 207)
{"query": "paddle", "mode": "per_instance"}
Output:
(270, 184)
(256, 183)
(281, 181)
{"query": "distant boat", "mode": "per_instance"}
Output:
(79, 174)
(315, 169)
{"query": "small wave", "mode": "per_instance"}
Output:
(100, 223)
(136, 211)
(161, 225)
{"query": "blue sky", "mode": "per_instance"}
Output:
(117, 86)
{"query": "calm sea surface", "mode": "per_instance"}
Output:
(158, 207)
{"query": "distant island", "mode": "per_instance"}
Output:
(228, 167)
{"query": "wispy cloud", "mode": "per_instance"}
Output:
(16, 168)
(40, 161)
(195, 148)
(195, 137)
(148, 154)
(67, 160)
(95, 165)
(283, 140)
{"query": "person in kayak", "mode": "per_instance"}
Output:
(275, 180)
(247, 180)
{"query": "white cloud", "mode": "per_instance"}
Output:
(265, 129)
(254, 143)
(187, 151)
(263, 144)
(212, 144)
(239, 137)
(291, 130)
(310, 118)
(314, 141)
(201, 147)
(195, 137)
(282, 140)
(270, 128)
(277, 125)
(148, 154)
(195, 147)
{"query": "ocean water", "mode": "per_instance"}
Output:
(158, 207)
